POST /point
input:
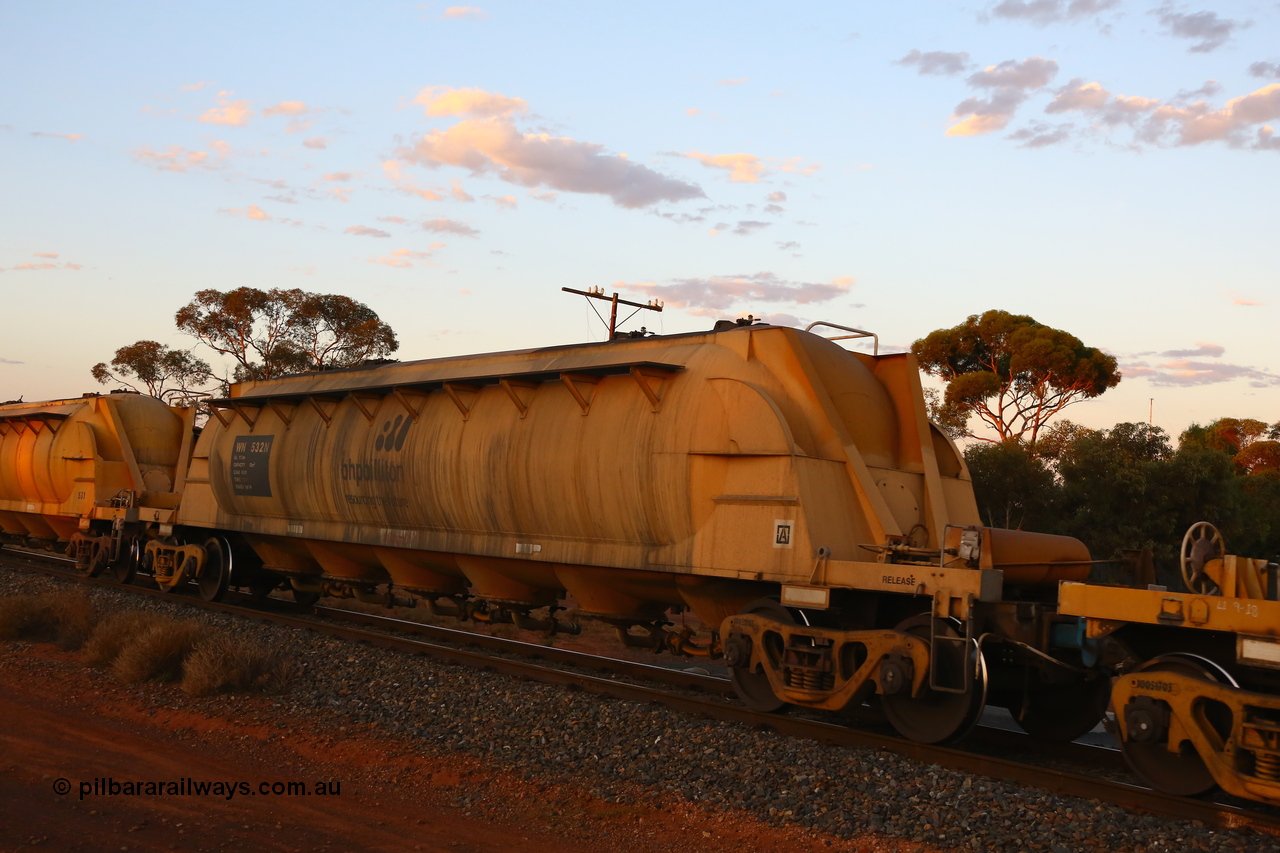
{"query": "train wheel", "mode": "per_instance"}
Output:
(1060, 713)
(1182, 773)
(216, 577)
(936, 716)
(752, 685)
(98, 561)
(305, 597)
(125, 568)
(262, 585)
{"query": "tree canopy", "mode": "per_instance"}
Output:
(1013, 373)
(1127, 487)
(271, 333)
(1253, 446)
(154, 369)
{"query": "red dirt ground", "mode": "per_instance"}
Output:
(62, 720)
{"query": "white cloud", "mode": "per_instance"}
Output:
(476, 103)
(1187, 372)
(750, 226)
(1041, 135)
(734, 81)
(230, 113)
(286, 108)
(394, 170)
(449, 226)
(1265, 69)
(742, 168)
(252, 212)
(1010, 83)
(406, 258)
(936, 62)
(1045, 12)
(1206, 29)
(1241, 122)
(722, 292)
(494, 146)
(748, 168)
(458, 13)
(1091, 98)
(70, 137)
(176, 159)
(366, 231)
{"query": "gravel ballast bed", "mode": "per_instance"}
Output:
(624, 752)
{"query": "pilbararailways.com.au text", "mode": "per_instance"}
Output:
(107, 786)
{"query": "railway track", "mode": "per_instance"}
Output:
(705, 696)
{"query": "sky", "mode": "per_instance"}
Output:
(1108, 167)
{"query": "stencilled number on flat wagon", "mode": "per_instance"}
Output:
(80, 496)
(1240, 607)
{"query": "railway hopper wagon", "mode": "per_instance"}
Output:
(93, 472)
(789, 494)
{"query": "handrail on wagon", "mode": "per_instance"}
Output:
(857, 333)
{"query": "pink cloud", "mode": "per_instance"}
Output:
(365, 231)
(459, 194)
(449, 226)
(405, 258)
(734, 81)
(230, 113)
(1240, 122)
(286, 108)
(395, 173)
(494, 146)
(742, 168)
(318, 142)
(1010, 83)
(447, 101)
(176, 159)
(252, 212)
(458, 13)
(70, 137)
(722, 292)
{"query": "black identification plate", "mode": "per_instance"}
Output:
(251, 465)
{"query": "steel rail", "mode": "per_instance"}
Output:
(708, 683)
(1062, 782)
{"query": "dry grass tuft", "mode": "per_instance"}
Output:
(158, 652)
(113, 633)
(65, 618)
(222, 663)
(20, 616)
(74, 617)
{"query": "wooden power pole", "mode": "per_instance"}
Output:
(614, 302)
